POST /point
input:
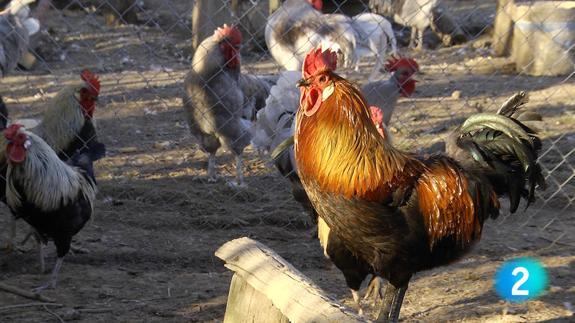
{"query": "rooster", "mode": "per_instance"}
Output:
(56, 199)
(68, 121)
(217, 96)
(354, 270)
(399, 212)
(420, 14)
(16, 27)
(274, 128)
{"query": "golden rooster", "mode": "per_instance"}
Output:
(398, 212)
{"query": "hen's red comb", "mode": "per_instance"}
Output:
(376, 115)
(393, 64)
(12, 130)
(92, 80)
(232, 33)
(318, 61)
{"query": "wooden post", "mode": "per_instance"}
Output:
(197, 21)
(207, 15)
(503, 27)
(262, 277)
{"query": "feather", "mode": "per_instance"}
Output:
(286, 144)
(495, 122)
(513, 103)
(44, 179)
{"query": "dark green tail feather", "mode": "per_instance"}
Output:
(505, 151)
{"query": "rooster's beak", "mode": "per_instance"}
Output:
(302, 82)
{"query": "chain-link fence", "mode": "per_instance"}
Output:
(165, 205)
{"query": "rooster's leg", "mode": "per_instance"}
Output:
(41, 256)
(374, 290)
(9, 246)
(419, 39)
(392, 301)
(53, 277)
(397, 302)
(212, 168)
(356, 300)
(239, 172)
(413, 37)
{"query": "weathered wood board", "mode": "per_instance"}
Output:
(296, 297)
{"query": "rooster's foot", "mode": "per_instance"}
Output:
(8, 247)
(374, 291)
(212, 179)
(48, 285)
(79, 250)
(236, 184)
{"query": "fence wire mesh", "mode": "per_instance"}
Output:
(148, 251)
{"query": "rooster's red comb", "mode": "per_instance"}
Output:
(318, 61)
(232, 33)
(376, 115)
(393, 64)
(12, 130)
(317, 4)
(92, 80)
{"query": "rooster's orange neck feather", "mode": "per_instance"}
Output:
(340, 149)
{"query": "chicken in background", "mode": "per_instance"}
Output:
(56, 199)
(385, 93)
(375, 36)
(219, 100)
(256, 89)
(297, 26)
(68, 123)
(399, 212)
(16, 27)
(420, 14)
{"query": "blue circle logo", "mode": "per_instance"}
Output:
(521, 279)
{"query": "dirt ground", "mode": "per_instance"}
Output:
(148, 254)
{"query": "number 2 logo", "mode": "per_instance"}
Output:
(521, 279)
(515, 289)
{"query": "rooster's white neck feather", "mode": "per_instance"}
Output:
(45, 180)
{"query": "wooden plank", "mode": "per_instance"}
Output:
(295, 295)
(246, 304)
(503, 27)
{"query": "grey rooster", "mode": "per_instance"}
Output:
(219, 100)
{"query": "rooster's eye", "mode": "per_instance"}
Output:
(322, 79)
